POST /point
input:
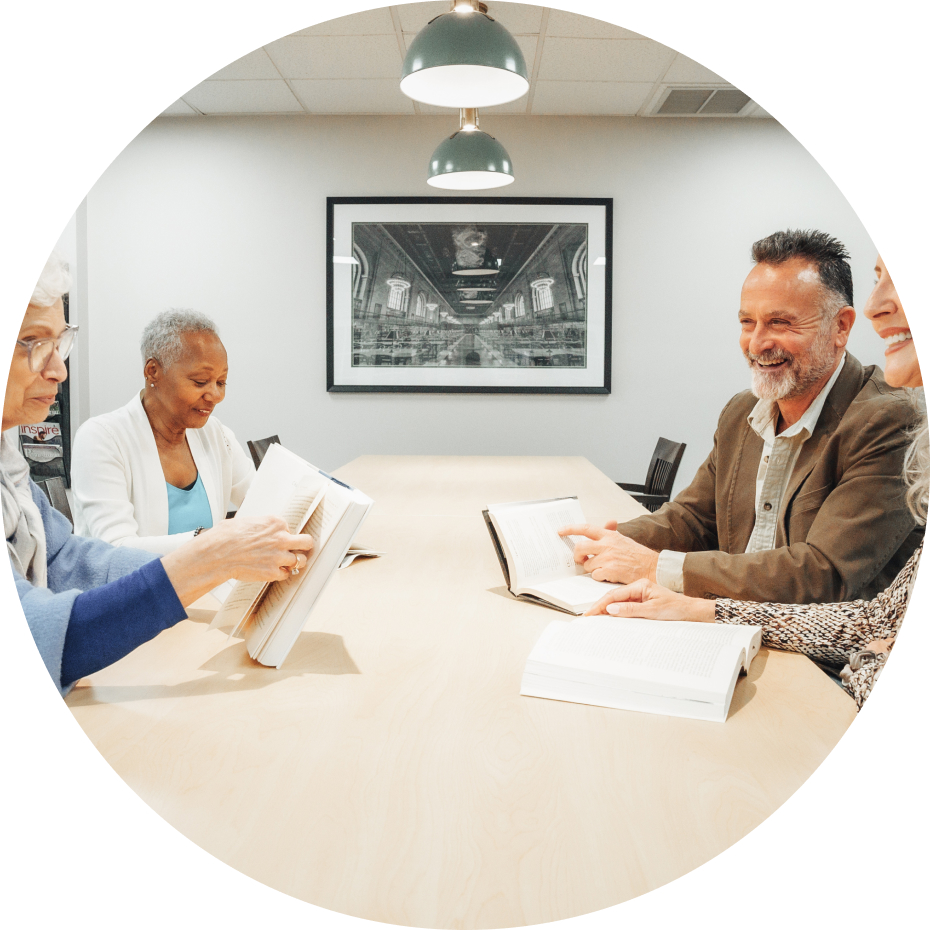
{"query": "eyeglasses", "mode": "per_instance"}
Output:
(40, 350)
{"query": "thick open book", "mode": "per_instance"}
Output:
(271, 616)
(662, 667)
(538, 564)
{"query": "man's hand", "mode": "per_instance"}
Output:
(609, 556)
(653, 602)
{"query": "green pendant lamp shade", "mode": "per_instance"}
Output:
(464, 59)
(470, 160)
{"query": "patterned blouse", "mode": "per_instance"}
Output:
(832, 633)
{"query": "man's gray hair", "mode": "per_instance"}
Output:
(54, 281)
(161, 339)
(828, 255)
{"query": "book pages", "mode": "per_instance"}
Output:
(676, 668)
(307, 489)
(578, 592)
(529, 535)
(279, 624)
(322, 522)
(651, 645)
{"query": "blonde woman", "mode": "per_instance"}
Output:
(859, 633)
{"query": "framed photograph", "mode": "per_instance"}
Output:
(508, 295)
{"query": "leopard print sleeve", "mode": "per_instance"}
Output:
(826, 632)
(859, 683)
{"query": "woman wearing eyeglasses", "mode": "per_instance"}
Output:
(156, 471)
(88, 603)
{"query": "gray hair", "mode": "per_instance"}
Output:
(54, 281)
(917, 462)
(161, 339)
(828, 255)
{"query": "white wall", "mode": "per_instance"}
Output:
(228, 216)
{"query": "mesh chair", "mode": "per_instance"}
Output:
(661, 476)
(54, 490)
(259, 447)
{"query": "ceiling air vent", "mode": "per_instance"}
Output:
(699, 101)
(684, 101)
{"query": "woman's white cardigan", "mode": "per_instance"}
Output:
(119, 486)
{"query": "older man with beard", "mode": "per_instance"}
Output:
(801, 499)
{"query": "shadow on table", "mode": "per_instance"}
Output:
(746, 684)
(233, 669)
(504, 592)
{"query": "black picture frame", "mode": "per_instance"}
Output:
(372, 348)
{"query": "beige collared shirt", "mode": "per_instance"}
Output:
(779, 454)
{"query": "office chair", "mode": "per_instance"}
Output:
(660, 477)
(54, 490)
(259, 447)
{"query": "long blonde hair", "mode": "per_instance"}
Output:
(917, 462)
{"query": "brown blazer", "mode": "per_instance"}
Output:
(844, 530)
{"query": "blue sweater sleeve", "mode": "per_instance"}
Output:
(108, 622)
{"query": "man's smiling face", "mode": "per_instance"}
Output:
(782, 335)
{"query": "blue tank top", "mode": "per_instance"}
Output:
(188, 508)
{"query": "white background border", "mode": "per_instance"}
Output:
(593, 215)
(82, 78)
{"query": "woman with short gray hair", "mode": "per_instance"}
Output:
(162, 469)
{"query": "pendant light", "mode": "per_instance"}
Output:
(464, 58)
(469, 160)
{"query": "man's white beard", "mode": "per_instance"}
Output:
(800, 374)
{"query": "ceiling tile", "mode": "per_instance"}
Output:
(243, 97)
(255, 66)
(414, 16)
(329, 57)
(686, 71)
(589, 98)
(179, 108)
(636, 60)
(372, 95)
(528, 47)
(368, 23)
(519, 18)
(572, 25)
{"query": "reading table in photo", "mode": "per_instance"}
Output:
(391, 769)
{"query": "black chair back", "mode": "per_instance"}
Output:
(54, 490)
(664, 467)
(259, 447)
(660, 478)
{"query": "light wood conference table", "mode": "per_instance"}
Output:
(392, 771)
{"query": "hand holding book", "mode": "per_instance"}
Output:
(260, 550)
(320, 515)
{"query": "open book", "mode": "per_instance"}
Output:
(658, 666)
(357, 551)
(538, 564)
(271, 616)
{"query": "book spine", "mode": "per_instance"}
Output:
(497, 546)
